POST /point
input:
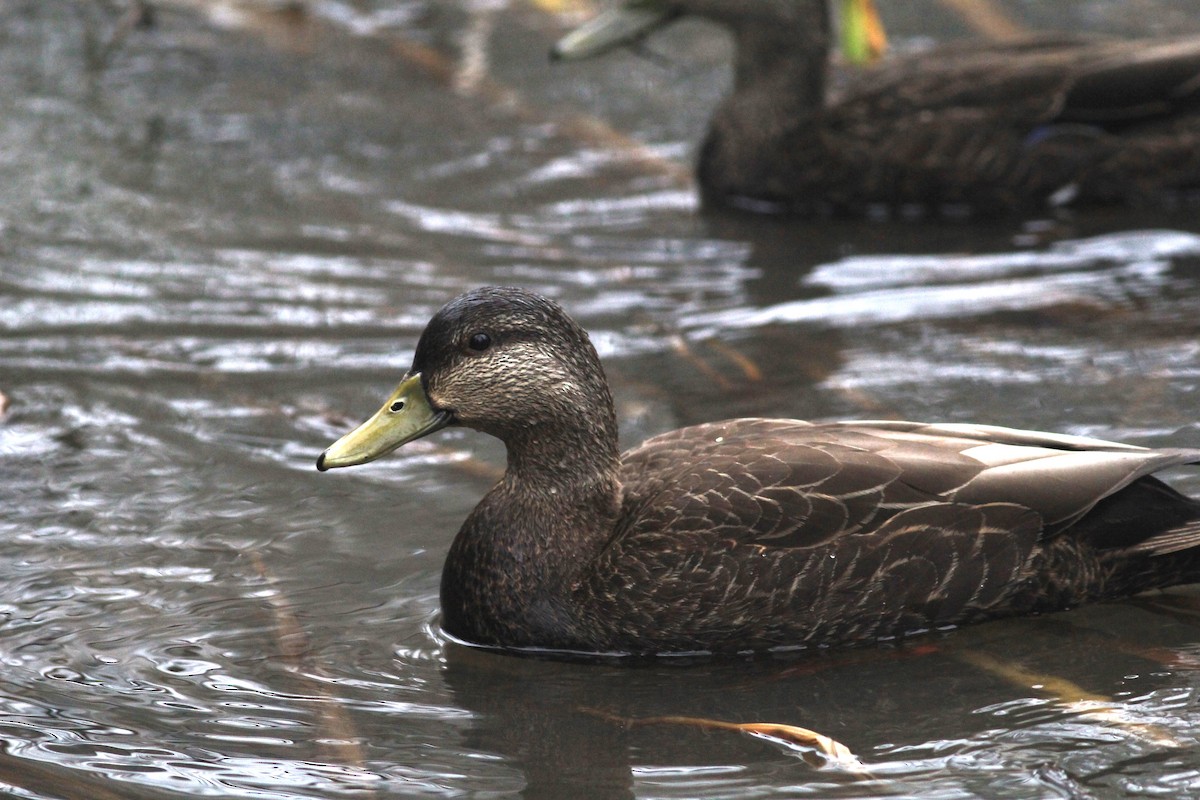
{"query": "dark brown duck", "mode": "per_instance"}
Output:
(753, 534)
(989, 128)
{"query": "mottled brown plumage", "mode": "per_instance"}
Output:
(988, 128)
(754, 534)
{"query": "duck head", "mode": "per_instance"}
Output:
(503, 361)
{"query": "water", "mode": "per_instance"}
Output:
(218, 244)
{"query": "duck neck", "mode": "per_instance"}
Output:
(769, 120)
(510, 571)
(557, 464)
(563, 491)
(782, 62)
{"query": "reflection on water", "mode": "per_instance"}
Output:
(217, 249)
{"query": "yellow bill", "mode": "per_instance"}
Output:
(406, 415)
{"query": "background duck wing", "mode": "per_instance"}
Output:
(992, 125)
(1061, 79)
(1135, 82)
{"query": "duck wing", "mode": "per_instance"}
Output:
(757, 533)
(1060, 477)
(790, 484)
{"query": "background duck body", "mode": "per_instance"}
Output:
(753, 534)
(988, 128)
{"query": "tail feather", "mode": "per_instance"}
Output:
(1147, 517)
(1175, 540)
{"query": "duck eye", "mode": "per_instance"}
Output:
(479, 342)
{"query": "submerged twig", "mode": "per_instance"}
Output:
(854, 657)
(474, 43)
(984, 17)
(681, 348)
(829, 751)
(573, 7)
(742, 361)
(869, 405)
(338, 730)
(139, 14)
(1071, 695)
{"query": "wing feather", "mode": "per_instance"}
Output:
(779, 483)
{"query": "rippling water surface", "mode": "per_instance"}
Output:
(221, 236)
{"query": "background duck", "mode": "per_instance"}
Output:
(752, 534)
(985, 128)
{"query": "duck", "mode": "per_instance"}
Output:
(971, 129)
(754, 535)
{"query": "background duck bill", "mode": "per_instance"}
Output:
(406, 415)
(622, 25)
